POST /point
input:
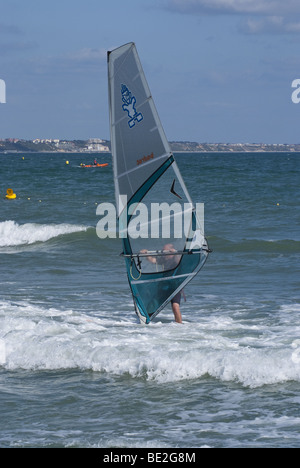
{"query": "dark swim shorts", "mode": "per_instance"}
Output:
(176, 299)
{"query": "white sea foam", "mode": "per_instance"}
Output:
(38, 338)
(13, 234)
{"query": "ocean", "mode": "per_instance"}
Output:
(78, 370)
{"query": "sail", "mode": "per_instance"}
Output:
(163, 239)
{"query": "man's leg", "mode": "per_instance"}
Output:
(176, 312)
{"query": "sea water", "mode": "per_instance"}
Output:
(78, 370)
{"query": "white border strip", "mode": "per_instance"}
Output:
(164, 279)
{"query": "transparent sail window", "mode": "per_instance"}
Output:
(159, 225)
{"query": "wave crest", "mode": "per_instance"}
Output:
(13, 234)
(38, 338)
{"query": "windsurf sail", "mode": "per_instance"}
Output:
(163, 239)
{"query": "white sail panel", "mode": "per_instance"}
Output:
(139, 145)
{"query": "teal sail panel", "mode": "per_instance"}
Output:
(163, 239)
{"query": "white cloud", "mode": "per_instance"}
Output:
(88, 54)
(80, 61)
(259, 16)
(265, 7)
(269, 24)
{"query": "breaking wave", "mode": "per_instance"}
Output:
(36, 338)
(13, 234)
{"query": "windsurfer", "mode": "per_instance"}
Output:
(169, 262)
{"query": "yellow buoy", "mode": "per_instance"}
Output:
(10, 195)
(67, 162)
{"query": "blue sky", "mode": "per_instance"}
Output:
(219, 70)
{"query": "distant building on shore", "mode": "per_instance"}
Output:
(96, 144)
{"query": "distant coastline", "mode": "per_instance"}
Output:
(97, 145)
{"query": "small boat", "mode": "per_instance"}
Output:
(94, 165)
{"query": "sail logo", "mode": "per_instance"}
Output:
(2, 92)
(145, 159)
(129, 103)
